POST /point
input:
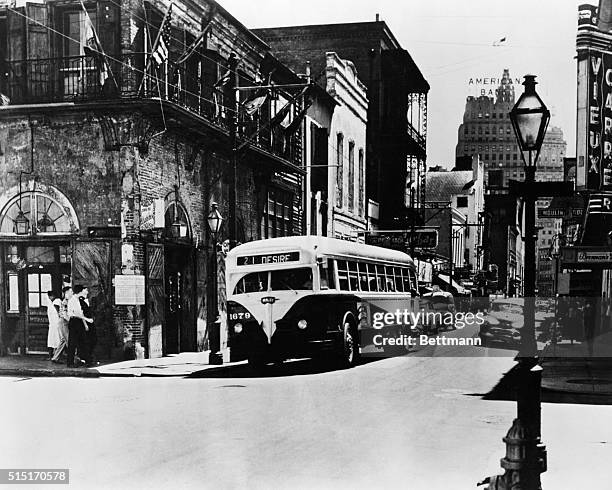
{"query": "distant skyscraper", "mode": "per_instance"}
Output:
(487, 131)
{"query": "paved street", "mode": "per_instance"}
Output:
(410, 422)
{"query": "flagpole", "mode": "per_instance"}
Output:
(159, 33)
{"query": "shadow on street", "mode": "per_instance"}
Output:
(506, 388)
(300, 367)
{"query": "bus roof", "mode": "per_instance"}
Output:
(321, 245)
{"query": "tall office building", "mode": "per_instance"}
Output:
(487, 131)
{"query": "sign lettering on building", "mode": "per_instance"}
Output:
(487, 86)
(599, 122)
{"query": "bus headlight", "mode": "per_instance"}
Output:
(238, 327)
(302, 324)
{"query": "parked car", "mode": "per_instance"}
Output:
(502, 323)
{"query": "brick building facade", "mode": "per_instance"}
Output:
(111, 161)
(397, 110)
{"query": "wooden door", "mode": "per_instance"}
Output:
(91, 266)
(156, 299)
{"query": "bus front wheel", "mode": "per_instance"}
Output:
(350, 346)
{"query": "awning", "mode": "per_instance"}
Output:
(455, 285)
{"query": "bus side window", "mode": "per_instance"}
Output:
(372, 277)
(326, 274)
(390, 279)
(381, 279)
(342, 275)
(363, 277)
(406, 278)
(399, 285)
(353, 275)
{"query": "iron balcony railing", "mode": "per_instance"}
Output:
(86, 79)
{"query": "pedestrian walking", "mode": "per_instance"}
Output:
(53, 334)
(63, 324)
(89, 337)
(78, 324)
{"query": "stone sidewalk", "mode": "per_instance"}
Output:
(183, 364)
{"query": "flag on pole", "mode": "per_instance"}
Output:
(297, 119)
(93, 48)
(251, 106)
(160, 51)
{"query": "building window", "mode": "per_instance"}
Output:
(351, 176)
(74, 32)
(278, 213)
(462, 202)
(44, 214)
(339, 169)
(361, 171)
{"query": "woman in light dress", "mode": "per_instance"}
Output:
(53, 308)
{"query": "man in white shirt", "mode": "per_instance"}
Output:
(77, 324)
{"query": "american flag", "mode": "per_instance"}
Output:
(600, 204)
(160, 53)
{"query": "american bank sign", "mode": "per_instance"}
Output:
(487, 86)
(594, 166)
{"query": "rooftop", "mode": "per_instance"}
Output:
(441, 186)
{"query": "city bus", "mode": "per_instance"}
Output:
(311, 296)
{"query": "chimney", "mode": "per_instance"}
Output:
(604, 15)
(377, 17)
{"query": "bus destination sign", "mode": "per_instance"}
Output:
(280, 258)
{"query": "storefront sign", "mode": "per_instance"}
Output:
(129, 290)
(583, 257)
(560, 213)
(395, 241)
(599, 122)
(594, 257)
(152, 215)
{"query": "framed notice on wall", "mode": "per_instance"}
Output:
(129, 290)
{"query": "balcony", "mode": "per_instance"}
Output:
(83, 80)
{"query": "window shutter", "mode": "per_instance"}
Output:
(37, 33)
(38, 47)
(16, 54)
(108, 28)
(319, 157)
(16, 34)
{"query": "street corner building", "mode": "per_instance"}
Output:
(119, 128)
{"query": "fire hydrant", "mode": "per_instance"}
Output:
(524, 461)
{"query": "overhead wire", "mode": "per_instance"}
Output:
(118, 61)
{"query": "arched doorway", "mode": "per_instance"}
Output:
(180, 329)
(36, 231)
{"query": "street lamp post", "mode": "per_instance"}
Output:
(525, 454)
(215, 221)
(530, 119)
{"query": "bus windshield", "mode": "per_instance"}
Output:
(292, 279)
(280, 280)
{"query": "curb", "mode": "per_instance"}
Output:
(50, 373)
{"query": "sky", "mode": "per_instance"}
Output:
(453, 41)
